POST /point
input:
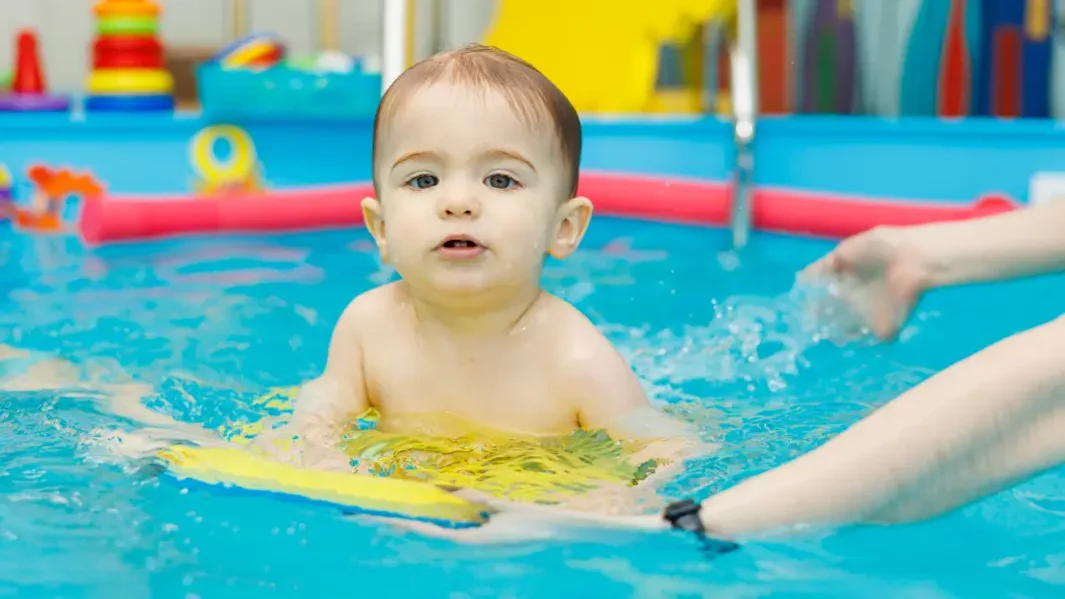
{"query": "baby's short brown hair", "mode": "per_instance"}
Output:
(532, 95)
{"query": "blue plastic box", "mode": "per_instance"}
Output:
(284, 93)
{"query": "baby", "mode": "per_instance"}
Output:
(475, 165)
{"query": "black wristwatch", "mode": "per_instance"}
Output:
(684, 515)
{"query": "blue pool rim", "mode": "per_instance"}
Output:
(131, 103)
(234, 490)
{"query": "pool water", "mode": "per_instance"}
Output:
(723, 340)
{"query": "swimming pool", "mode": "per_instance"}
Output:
(720, 339)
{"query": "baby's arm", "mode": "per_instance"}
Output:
(326, 406)
(608, 396)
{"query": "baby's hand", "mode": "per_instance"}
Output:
(286, 446)
(882, 275)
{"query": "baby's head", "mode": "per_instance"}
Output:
(475, 163)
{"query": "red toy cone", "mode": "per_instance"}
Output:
(27, 86)
(29, 78)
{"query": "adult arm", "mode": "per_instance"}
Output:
(1014, 244)
(980, 426)
(885, 270)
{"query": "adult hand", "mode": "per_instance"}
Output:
(512, 521)
(882, 274)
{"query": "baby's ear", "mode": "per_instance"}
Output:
(573, 219)
(375, 224)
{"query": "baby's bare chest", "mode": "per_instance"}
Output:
(501, 387)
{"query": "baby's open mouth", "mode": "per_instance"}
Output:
(460, 243)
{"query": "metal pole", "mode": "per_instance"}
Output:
(394, 50)
(745, 112)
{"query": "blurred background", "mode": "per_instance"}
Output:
(950, 58)
(194, 30)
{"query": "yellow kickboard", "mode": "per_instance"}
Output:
(240, 469)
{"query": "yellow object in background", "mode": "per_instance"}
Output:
(603, 54)
(235, 174)
(104, 82)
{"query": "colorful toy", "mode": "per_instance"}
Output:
(7, 197)
(136, 52)
(255, 52)
(235, 175)
(52, 188)
(28, 88)
(109, 83)
(129, 65)
(131, 25)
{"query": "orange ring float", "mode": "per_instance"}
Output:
(126, 8)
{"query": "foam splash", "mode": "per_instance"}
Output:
(750, 338)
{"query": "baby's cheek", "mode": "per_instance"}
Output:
(398, 246)
(526, 251)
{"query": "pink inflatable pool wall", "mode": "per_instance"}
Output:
(817, 176)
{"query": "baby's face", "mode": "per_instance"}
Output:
(471, 198)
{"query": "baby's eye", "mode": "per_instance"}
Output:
(423, 181)
(500, 181)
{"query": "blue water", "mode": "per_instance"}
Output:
(720, 339)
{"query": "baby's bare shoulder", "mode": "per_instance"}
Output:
(577, 340)
(588, 368)
(372, 310)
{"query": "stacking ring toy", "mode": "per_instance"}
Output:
(129, 81)
(126, 8)
(142, 103)
(128, 61)
(33, 103)
(136, 52)
(137, 44)
(227, 470)
(127, 26)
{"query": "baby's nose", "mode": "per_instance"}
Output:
(457, 209)
(464, 205)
